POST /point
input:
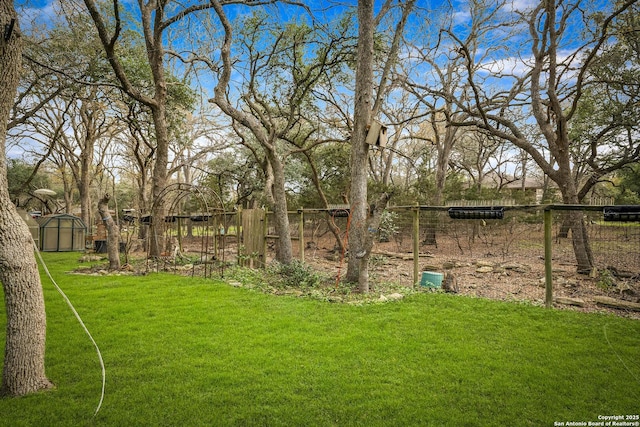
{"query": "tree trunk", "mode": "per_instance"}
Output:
(565, 226)
(113, 233)
(275, 182)
(444, 152)
(358, 257)
(574, 221)
(580, 241)
(85, 204)
(143, 206)
(284, 250)
(85, 184)
(23, 371)
(159, 176)
(68, 197)
(362, 240)
(86, 155)
(152, 20)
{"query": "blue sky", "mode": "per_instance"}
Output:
(511, 56)
(506, 55)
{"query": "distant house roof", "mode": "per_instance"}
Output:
(512, 183)
(529, 183)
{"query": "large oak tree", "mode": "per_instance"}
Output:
(272, 115)
(551, 76)
(23, 371)
(366, 108)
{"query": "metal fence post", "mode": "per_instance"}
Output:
(548, 277)
(301, 234)
(239, 235)
(416, 244)
(265, 233)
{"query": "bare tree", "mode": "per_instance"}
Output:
(63, 103)
(42, 129)
(138, 154)
(67, 130)
(274, 125)
(435, 89)
(551, 82)
(24, 369)
(474, 155)
(39, 82)
(59, 162)
(157, 18)
(155, 23)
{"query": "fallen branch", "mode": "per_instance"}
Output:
(570, 301)
(617, 303)
(404, 257)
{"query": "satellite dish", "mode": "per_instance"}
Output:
(44, 192)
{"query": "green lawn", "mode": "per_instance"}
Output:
(182, 351)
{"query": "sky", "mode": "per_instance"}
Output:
(503, 56)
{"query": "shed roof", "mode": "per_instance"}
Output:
(48, 221)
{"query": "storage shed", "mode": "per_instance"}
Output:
(62, 233)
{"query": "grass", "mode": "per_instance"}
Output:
(183, 351)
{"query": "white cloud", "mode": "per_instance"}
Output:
(507, 66)
(519, 66)
(461, 16)
(522, 5)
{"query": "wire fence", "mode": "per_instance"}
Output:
(557, 254)
(494, 258)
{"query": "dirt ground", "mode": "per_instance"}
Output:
(487, 271)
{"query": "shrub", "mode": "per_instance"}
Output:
(295, 274)
(388, 227)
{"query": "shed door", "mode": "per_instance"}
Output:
(65, 229)
(50, 236)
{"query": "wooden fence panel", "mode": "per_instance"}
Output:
(253, 237)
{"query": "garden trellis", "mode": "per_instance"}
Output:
(202, 213)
